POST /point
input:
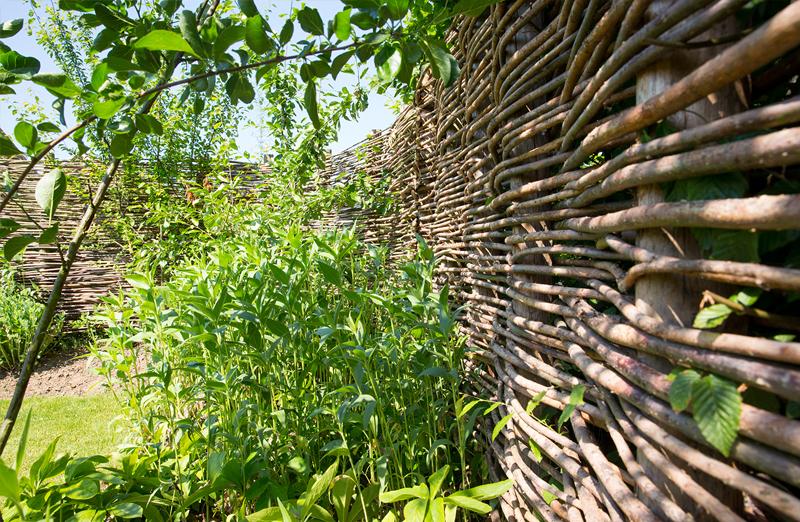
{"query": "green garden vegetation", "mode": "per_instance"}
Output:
(269, 370)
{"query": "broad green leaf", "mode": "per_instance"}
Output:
(364, 19)
(49, 235)
(121, 145)
(418, 491)
(83, 490)
(9, 484)
(8, 226)
(436, 480)
(318, 488)
(575, 400)
(342, 495)
(387, 62)
(138, 281)
(680, 391)
(310, 21)
(487, 491)
(436, 511)
(716, 407)
(441, 61)
(15, 245)
(397, 9)
(23, 441)
(248, 8)
(26, 134)
(7, 147)
(188, 25)
(50, 191)
(48, 127)
(108, 108)
(330, 273)
(10, 27)
(256, 36)
(112, 19)
(390, 517)
(548, 497)
(286, 32)
(341, 25)
(58, 84)
(746, 296)
(271, 514)
(148, 124)
(500, 425)
(415, 510)
(14, 62)
(126, 510)
(712, 316)
(310, 99)
(468, 503)
(163, 40)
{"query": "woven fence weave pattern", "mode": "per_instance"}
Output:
(540, 179)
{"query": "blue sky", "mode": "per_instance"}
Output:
(377, 116)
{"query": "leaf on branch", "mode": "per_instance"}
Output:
(57, 84)
(121, 145)
(310, 20)
(26, 134)
(387, 62)
(163, 40)
(248, 8)
(575, 400)
(14, 62)
(443, 65)
(256, 36)
(8, 226)
(397, 9)
(341, 25)
(7, 147)
(107, 109)
(10, 27)
(286, 32)
(188, 26)
(49, 235)
(472, 7)
(50, 191)
(15, 245)
(310, 99)
(712, 316)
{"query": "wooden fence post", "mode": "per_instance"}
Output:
(675, 298)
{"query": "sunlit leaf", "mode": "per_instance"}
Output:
(50, 190)
(716, 408)
(10, 27)
(163, 40)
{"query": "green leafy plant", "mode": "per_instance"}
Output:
(19, 315)
(715, 403)
(428, 501)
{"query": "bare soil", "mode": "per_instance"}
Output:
(58, 374)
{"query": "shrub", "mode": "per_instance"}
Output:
(19, 314)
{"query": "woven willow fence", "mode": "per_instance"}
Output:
(599, 171)
(100, 264)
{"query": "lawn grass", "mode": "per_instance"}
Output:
(85, 426)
